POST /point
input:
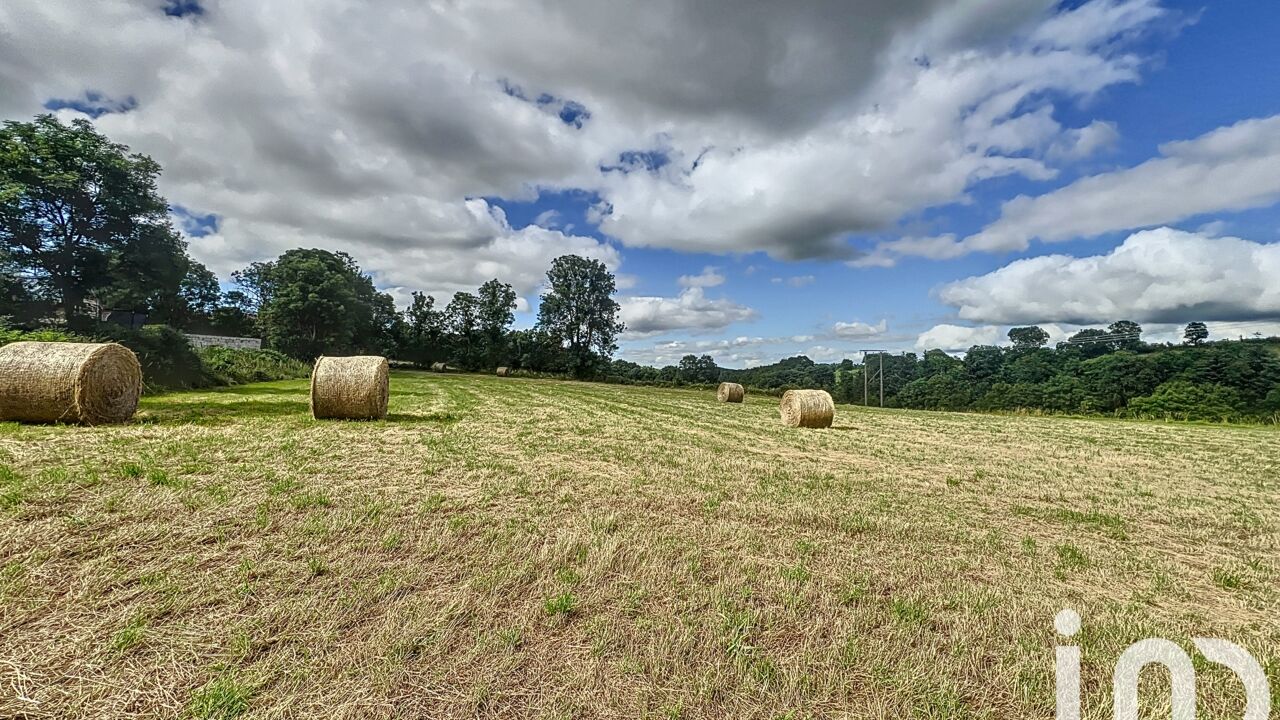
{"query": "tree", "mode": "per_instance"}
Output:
(462, 319)
(1195, 333)
(1125, 335)
(496, 312)
(579, 311)
(314, 302)
(80, 215)
(423, 331)
(1028, 338)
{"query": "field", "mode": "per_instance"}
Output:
(531, 548)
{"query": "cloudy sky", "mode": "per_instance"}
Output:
(765, 178)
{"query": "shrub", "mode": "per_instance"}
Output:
(229, 366)
(1182, 400)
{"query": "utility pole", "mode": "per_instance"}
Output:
(866, 379)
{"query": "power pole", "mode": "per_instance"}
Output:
(866, 377)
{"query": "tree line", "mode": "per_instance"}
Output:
(1096, 371)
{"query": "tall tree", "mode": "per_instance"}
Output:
(461, 317)
(496, 312)
(579, 311)
(78, 212)
(1028, 338)
(423, 331)
(1195, 333)
(315, 302)
(1125, 335)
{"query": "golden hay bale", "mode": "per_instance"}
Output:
(90, 383)
(730, 392)
(353, 388)
(437, 367)
(807, 408)
(504, 371)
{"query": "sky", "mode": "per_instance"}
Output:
(765, 179)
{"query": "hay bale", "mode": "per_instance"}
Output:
(352, 388)
(90, 383)
(438, 367)
(504, 371)
(807, 408)
(730, 392)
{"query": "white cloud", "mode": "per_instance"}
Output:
(1161, 275)
(1083, 142)
(860, 329)
(795, 280)
(690, 310)
(549, 219)
(1232, 168)
(957, 338)
(789, 128)
(709, 277)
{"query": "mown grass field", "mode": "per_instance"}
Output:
(529, 548)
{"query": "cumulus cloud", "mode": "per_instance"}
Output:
(709, 277)
(957, 338)
(859, 329)
(1231, 168)
(1160, 275)
(783, 129)
(690, 310)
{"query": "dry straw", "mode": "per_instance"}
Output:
(807, 408)
(504, 371)
(730, 392)
(437, 367)
(90, 383)
(352, 388)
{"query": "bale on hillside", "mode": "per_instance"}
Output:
(352, 388)
(90, 383)
(437, 367)
(730, 392)
(807, 408)
(504, 371)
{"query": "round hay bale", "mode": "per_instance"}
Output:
(504, 371)
(437, 367)
(351, 388)
(807, 408)
(90, 383)
(730, 392)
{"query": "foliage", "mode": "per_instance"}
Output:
(1195, 333)
(1182, 400)
(578, 311)
(313, 302)
(235, 366)
(80, 218)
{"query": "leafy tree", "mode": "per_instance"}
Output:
(314, 302)
(462, 319)
(80, 217)
(1125, 335)
(1195, 333)
(1088, 343)
(496, 312)
(578, 310)
(255, 286)
(698, 369)
(1028, 338)
(423, 331)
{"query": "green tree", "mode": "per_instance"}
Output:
(423, 331)
(1028, 338)
(496, 312)
(462, 319)
(579, 311)
(1195, 333)
(80, 217)
(1125, 335)
(314, 302)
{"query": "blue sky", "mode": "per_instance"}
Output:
(896, 177)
